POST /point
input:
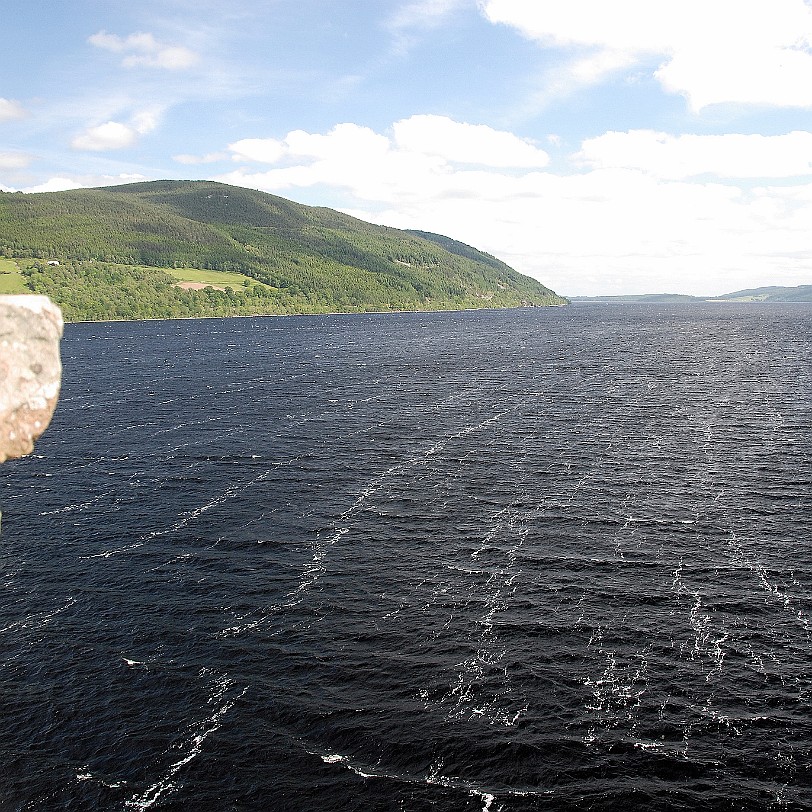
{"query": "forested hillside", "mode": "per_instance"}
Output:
(772, 293)
(112, 242)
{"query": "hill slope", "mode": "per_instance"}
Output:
(773, 293)
(110, 243)
(641, 298)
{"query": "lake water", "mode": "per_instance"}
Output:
(544, 559)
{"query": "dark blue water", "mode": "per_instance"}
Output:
(553, 559)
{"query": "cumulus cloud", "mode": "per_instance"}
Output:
(628, 219)
(348, 142)
(437, 138)
(107, 136)
(10, 109)
(57, 184)
(113, 135)
(143, 50)
(685, 156)
(466, 143)
(145, 121)
(737, 51)
(63, 184)
(350, 157)
(260, 150)
(14, 160)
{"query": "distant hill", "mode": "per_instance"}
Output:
(123, 251)
(801, 293)
(644, 297)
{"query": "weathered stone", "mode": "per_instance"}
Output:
(30, 370)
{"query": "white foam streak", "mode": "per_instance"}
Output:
(433, 777)
(316, 567)
(184, 520)
(617, 693)
(38, 619)
(127, 548)
(77, 506)
(228, 493)
(784, 599)
(708, 642)
(192, 747)
(465, 699)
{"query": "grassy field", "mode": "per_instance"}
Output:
(213, 278)
(11, 280)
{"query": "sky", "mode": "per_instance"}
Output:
(601, 146)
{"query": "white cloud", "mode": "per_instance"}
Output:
(107, 136)
(261, 150)
(348, 142)
(146, 121)
(14, 160)
(466, 143)
(113, 135)
(685, 156)
(627, 222)
(739, 51)
(10, 109)
(437, 138)
(143, 50)
(64, 184)
(208, 158)
(57, 184)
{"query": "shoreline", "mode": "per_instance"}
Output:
(312, 315)
(434, 310)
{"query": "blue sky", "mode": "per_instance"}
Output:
(601, 146)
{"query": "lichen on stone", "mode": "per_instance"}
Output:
(30, 370)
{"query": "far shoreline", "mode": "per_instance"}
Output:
(327, 313)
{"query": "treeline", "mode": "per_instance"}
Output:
(95, 291)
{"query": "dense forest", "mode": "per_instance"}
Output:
(114, 246)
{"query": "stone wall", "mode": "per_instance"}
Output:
(30, 370)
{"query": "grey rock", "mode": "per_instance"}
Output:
(30, 370)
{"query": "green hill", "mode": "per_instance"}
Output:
(772, 293)
(123, 249)
(643, 298)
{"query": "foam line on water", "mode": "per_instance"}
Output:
(434, 776)
(708, 642)
(190, 516)
(759, 571)
(77, 506)
(316, 567)
(198, 732)
(464, 699)
(186, 518)
(37, 619)
(616, 694)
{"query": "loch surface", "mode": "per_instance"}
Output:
(542, 559)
